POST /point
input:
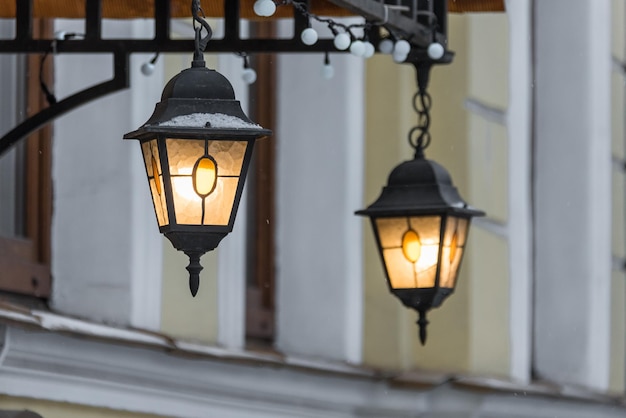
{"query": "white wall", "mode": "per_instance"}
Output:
(106, 246)
(572, 182)
(320, 182)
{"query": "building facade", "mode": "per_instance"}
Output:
(528, 119)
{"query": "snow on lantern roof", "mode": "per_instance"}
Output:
(214, 120)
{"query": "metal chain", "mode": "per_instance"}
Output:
(421, 104)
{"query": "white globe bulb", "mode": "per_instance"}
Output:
(309, 36)
(386, 46)
(399, 57)
(357, 48)
(369, 50)
(248, 75)
(402, 47)
(264, 8)
(328, 72)
(342, 41)
(258, 7)
(435, 50)
(60, 35)
(147, 68)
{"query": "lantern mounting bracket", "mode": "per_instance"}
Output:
(410, 23)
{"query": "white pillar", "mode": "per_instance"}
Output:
(520, 204)
(572, 182)
(320, 183)
(106, 246)
(231, 273)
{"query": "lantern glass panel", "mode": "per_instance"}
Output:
(452, 252)
(155, 179)
(205, 175)
(410, 249)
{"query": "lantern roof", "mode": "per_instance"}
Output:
(199, 102)
(419, 187)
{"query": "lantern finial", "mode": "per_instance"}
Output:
(194, 268)
(422, 322)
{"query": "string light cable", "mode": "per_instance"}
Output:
(59, 36)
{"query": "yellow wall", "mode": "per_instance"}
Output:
(184, 316)
(488, 58)
(63, 410)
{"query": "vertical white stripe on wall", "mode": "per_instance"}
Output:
(599, 190)
(519, 190)
(573, 192)
(147, 247)
(319, 186)
(231, 267)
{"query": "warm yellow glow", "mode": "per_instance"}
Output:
(155, 173)
(204, 176)
(183, 187)
(453, 246)
(411, 246)
(428, 258)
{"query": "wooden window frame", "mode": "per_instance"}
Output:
(260, 286)
(25, 261)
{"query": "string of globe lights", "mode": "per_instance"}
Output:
(345, 39)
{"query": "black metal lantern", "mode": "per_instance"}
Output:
(421, 225)
(197, 147)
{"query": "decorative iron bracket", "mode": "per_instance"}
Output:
(408, 23)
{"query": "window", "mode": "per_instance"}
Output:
(260, 286)
(25, 184)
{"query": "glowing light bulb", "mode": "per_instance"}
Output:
(328, 72)
(435, 50)
(60, 35)
(402, 47)
(453, 247)
(309, 36)
(397, 57)
(369, 50)
(357, 48)
(342, 41)
(264, 8)
(248, 75)
(155, 174)
(204, 176)
(411, 246)
(386, 46)
(147, 68)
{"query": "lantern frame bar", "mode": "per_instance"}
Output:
(165, 170)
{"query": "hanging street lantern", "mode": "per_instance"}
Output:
(421, 224)
(197, 147)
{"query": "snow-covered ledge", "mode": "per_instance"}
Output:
(51, 357)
